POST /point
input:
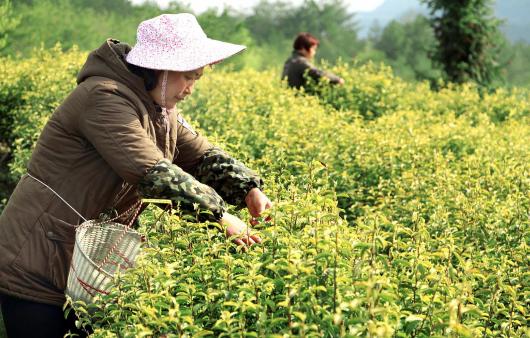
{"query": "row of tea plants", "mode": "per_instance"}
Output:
(399, 211)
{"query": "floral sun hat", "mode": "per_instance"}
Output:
(177, 42)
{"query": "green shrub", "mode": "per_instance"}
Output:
(371, 90)
(414, 223)
(30, 91)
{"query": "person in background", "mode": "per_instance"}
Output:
(115, 139)
(299, 63)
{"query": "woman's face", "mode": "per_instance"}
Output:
(309, 53)
(179, 85)
(312, 51)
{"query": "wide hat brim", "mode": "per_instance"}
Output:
(183, 59)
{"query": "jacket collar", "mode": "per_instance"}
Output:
(109, 61)
(298, 54)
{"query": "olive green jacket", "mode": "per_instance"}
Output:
(105, 139)
(296, 67)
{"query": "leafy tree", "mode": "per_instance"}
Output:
(407, 45)
(117, 6)
(78, 22)
(468, 37)
(8, 22)
(226, 26)
(331, 23)
(48, 22)
(516, 61)
(277, 23)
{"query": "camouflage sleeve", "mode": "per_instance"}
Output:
(229, 177)
(166, 180)
(317, 74)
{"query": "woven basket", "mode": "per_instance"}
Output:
(101, 249)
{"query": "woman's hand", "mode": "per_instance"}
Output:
(256, 202)
(236, 227)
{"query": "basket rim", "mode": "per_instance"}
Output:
(94, 223)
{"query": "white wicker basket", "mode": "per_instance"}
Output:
(101, 249)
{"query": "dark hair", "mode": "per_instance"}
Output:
(305, 41)
(150, 76)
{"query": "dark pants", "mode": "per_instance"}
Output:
(27, 319)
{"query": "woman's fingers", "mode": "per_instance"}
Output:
(256, 221)
(239, 242)
(247, 240)
(262, 207)
(257, 202)
(239, 231)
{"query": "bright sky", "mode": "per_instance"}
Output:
(199, 6)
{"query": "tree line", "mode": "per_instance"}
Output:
(456, 42)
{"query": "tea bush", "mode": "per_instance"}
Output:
(373, 91)
(30, 90)
(399, 211)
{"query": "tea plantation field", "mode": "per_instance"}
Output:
(398, 211)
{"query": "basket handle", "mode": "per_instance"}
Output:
(134, 208)
(56, 194)
(137, 206)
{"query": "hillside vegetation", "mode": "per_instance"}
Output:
(398, 37)
(399, 211)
